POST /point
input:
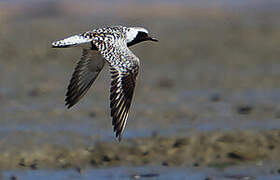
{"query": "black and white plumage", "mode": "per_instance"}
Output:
(109, 44)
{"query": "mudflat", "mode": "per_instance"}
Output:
(207, 94)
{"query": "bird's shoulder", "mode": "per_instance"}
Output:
(104, 33)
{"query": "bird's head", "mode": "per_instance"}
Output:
(136, 35)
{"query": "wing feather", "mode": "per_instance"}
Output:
(85, 73)
(124, 67)
(122, 88)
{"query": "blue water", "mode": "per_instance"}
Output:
(147, 172)
(108, 173)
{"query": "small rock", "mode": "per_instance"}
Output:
(117, 158)
(154, 134)
(63, 163)
(149, 175)
(90, 149)
(215, 97)
(234, 155)
(93, 162)
(196, 164)
(271, 147)
(136, 176)
(106, 158)
(66, 165)
(278, 171)
(208, 178)
(13, 177)
(164, 163)
(239, 177)
(80, 170)
(145, 153)
(21, 162)
(34, 166)
(245, 109)
(179, 142)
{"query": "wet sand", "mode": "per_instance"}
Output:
(215, 149)
(206, 98)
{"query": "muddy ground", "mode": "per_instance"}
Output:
(215, 149)
(207, 94)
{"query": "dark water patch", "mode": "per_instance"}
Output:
(244, 109)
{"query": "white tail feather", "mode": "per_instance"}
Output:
(71, 41)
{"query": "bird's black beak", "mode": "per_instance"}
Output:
(152, 39)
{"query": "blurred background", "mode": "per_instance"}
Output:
(207, 96)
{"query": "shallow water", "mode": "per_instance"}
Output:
(189, 111)
(147, 172)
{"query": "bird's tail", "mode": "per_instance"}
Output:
(71, 41)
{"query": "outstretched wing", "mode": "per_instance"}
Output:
(124, 69)
(85, 73)
(122, 88)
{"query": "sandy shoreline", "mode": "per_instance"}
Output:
(214, 149)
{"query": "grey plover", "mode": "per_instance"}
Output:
(108, 44)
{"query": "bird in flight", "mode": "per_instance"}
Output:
(108, 44)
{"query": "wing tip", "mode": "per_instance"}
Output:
(68, 105)
(118, 137)
(68, 102)
(118, 132)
